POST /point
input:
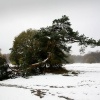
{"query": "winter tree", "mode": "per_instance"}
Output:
(31, 47)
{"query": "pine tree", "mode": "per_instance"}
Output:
(33, 46)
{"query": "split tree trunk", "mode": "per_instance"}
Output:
(42, 62)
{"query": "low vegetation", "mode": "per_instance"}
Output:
(3, 67)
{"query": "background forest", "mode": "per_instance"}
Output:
(91, 57)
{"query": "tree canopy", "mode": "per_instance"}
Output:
(32, 46)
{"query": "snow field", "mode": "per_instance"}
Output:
(84, 86)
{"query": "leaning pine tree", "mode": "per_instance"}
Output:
(47, 47)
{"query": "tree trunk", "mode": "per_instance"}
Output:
(42, 62)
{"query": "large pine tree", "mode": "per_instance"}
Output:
(33, 46)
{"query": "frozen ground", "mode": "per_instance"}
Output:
(82, 86)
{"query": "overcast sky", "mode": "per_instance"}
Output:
(19, 15)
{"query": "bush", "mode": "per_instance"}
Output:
(3, 68)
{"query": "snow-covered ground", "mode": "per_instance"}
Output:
(84, 86)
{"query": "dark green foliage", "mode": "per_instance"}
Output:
(22, 52)
(54, 38)
(32, 46)
(2, 60)
(3, 68)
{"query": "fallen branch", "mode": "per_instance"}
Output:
(13, 69)
(42, 62)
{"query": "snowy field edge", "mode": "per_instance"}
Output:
(84, 86)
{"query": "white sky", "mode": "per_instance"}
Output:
(19, 15)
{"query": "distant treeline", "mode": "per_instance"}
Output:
(92, 57)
